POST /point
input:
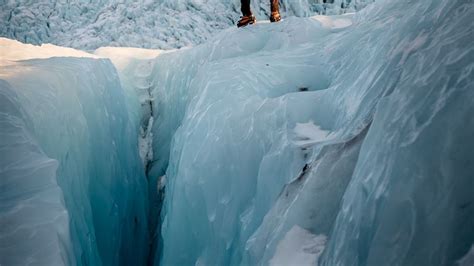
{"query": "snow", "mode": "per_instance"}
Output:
(299, 247)
(335, 22)
(121, 57)
(308, 134)
(15, 51)
(145, 143)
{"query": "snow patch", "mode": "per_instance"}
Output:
(11, 50)
(122, 56)
(335, 22)
(299, 247)
(145, 142)
(308, 134)
(161, 182)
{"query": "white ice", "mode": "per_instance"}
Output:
(299, 247)
(308, 134)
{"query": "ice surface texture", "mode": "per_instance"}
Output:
(389, 182)
(347, 138)
(160, 24)
(66, 132)
(32, 216)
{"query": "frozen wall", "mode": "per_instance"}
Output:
(352, 133)
(160, 24)
(69, 143)
(32, 206)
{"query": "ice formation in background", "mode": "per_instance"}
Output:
(163, 24)
(73, 187)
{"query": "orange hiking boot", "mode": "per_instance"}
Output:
(275, 17)
(246, 20)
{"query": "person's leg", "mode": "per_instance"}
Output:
(247, 17)
(274, 6)
(245, 7)
(275, 9)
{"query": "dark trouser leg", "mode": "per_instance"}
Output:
(274, 5)
(245, 7)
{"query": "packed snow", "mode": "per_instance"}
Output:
(16, 51)
(343, 139)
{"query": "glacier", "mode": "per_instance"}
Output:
(341, 139)
(162, 24)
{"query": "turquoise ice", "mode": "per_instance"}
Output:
(73, 186)
(375, 153)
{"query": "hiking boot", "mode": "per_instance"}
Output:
(275, 17)
(246, 20)
(275, 11)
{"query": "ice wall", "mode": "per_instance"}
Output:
(352, 129)
(69, 143)
(32, 206)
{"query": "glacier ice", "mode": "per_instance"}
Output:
(389, 181)
(31, 200)
(330, 140)
(160, 24)
(73, 186)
